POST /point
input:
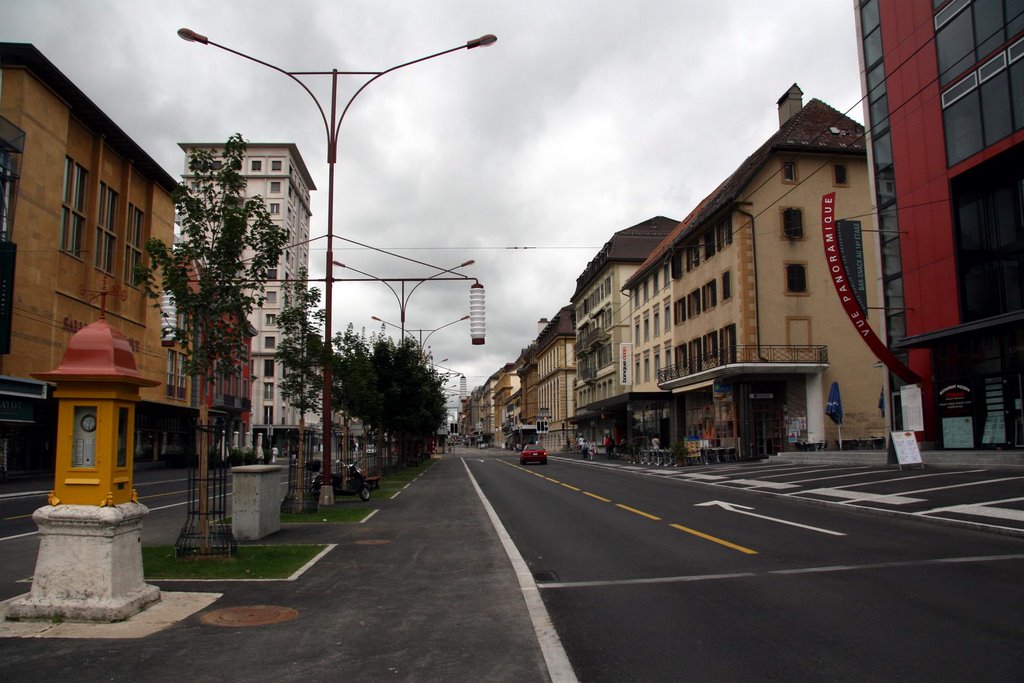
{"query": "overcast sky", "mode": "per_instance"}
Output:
(586, 117)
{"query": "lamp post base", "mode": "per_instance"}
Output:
(89, 566)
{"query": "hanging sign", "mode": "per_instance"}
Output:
(625, 364)
(837, 273)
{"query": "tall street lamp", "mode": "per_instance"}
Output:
(332, 125)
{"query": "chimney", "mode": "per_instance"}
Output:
(790, 103)
(541, 324)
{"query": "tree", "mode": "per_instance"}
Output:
(301, 353)
(412, 391)
(215, 272)
(354, 388)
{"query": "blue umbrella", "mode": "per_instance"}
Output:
(834, 409)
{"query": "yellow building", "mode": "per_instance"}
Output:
(81, 200)
(757, 333)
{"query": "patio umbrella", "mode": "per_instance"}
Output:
(834, 409)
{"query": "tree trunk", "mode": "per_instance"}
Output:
(203, 470)
(300, 466)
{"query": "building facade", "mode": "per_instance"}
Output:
(944, 85)
(277, 173)
(758, 330)
(556, 378)
(80, 200)
(604, 319)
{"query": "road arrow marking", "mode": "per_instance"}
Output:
(743, 510)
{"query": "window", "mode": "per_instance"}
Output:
(657, 275)
(647, 294)
(636, 332)
(256, 165)
(665, 274)
(271, 297)
(268, 415)
(106, 235)
(709, 244)
(268, 391)
(839, 174)
(723, 233)
(792, 224)
(271, 319)
(726, 285)
(133, 244)
(789, 171)
(275, 165)
(268, 367)
(73, 210)
(668, 315)
(796, 278)
(677, 265)
(709, 295)
(647, 369)
(271, 274)
(692, 257)
(647, 329)
(680, 311)
(694, 303)
(657, 324)
(275, 209)
(275, 186)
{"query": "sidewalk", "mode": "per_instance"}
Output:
(422, 591)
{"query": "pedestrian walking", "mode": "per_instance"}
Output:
(584, 448)
(608, 445)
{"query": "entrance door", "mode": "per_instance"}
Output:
(767, 432)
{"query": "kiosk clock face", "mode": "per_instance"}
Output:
(89, 423)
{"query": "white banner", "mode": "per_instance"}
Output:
(625, 364)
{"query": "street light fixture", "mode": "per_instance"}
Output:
(476, 312)
(332, 125)
(429, 331)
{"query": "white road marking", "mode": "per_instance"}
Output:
(859, 496)
(559, 668)
(760, 484)
(745, 510)
(983, 510)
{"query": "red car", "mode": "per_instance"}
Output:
(533, 453)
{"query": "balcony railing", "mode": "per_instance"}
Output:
(746, 355)
(591, 337)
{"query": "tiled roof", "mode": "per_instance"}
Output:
(629, 245)
(816, 128)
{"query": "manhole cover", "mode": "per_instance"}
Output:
(545, 575)
(373, 541)
(253, 615)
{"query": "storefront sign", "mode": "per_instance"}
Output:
(15, 410)
(625, 364)
(844, 288)
(912, 408)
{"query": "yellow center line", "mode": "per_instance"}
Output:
(572, 488)
(594, 495)
(713, 539)
(553, 481)
(638, 512)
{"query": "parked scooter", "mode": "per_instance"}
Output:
(356, 485)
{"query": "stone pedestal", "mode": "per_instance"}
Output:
(256, 503)
(89, 566)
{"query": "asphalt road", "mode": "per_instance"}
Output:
(654, 579)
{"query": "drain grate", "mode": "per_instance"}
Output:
(253, 615)
(545, 576)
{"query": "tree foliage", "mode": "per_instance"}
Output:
(412, 391)
(300, 349)
(355, 379)
(213, 285)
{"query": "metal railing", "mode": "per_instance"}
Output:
(745, 354)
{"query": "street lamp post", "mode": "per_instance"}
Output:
(332, 126)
